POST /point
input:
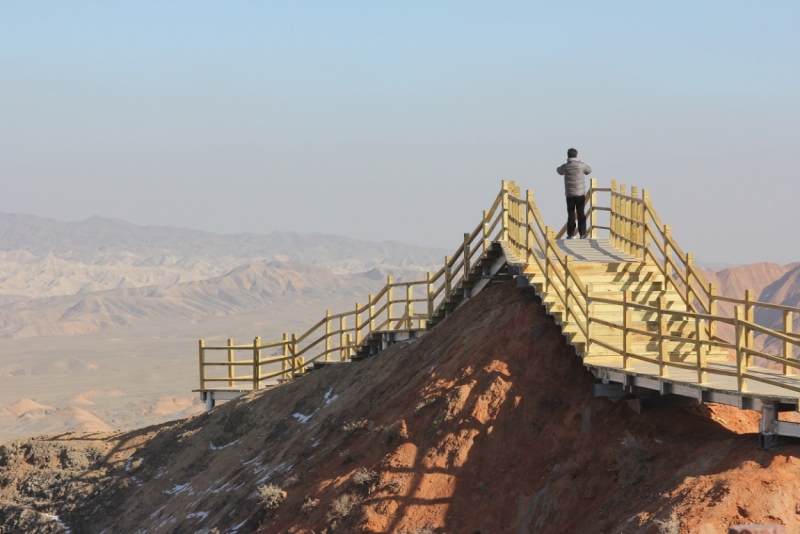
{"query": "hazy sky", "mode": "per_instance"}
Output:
(397, 120)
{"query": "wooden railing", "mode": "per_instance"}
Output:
(336, 337)
(633, 227)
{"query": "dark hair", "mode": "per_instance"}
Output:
(572, 153)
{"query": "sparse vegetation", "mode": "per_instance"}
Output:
(672, 525)
(271, 496)
(354, 426)
(342, 506)
(424, 403)
(633, 461)
(366, 479)
(347, 457)
(290, 481)
(395, 431)
(394, 486)
(309, 505)
(424, 530)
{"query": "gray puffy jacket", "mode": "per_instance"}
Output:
(573, 171)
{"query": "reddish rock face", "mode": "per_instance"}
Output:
(757, 529)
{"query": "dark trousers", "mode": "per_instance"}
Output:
(576, 204)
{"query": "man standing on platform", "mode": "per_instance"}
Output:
(573, 172)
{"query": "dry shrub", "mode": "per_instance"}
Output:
(354, 426)
(395, 431)
(309, 505)
(633, 461)
(365, 479)
(424, 403)
(342, 506)
(672, 525)
(423, 530)
(394, 486)
(291, 481)
(271, 496)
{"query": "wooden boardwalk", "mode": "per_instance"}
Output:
(631, 302)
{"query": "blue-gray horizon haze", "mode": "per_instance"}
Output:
(397, 120)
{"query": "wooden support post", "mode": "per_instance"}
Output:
(634, 215)
(466, 256)
(741, 345)
(663, 330)
(285, 354)
(485, 232)
(295, 363)
(342, 336)
(358, 324)
(589, 315)
(389, 299)
(749, 316)
(627, 322)
(256, 363)
(712, 310)
(410, 306)
(529, 240)
(371, 303)
(689, 291)
(548, 232)
(430, 295)
(613, 221)
(327, 335)
(624, 224)
(567, 290)
(345, 354)
(505, 211)
(667, 253)
(448, 278)
(645, 224)
(231, 367)
(787, 347)
(701, 349)
(201, 352)
(593, 210)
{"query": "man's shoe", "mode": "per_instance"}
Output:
(570, 237)
(584, 236)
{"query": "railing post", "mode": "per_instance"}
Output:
(447, 277)
(645, 221)
(741, 345)
(410, 306)
(327, 335)
(295, 366)
(201, 352)
(749, 316)
(342, 335)
(663, 330)
(712, 310)
(627, 321)
(389, 299)
(430, 295)
(787, 347)
(689, 291)
(256, 363)
(505, 211)
(701, 350)
(613, 220)
(548, 234)
(567, 290)
(285, 361)
(529, 239)
(231, 367)
(486, 243)
(592, 203)
(634, 215)
(667, 254)
(589, 314)
(345, 354)
(359, 324)
(466, 256)
(371, 312)
(623, 221)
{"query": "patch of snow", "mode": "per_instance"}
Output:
(253, 459)
(179, 488)
(280, 468)
(157, 512)
(658, 440)
(329, 397)
(57, 520)
(315, 444)
(237, 527)
(303, 418)
(201, 515)
(215, 448)
(128, 464)
(431, 369)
